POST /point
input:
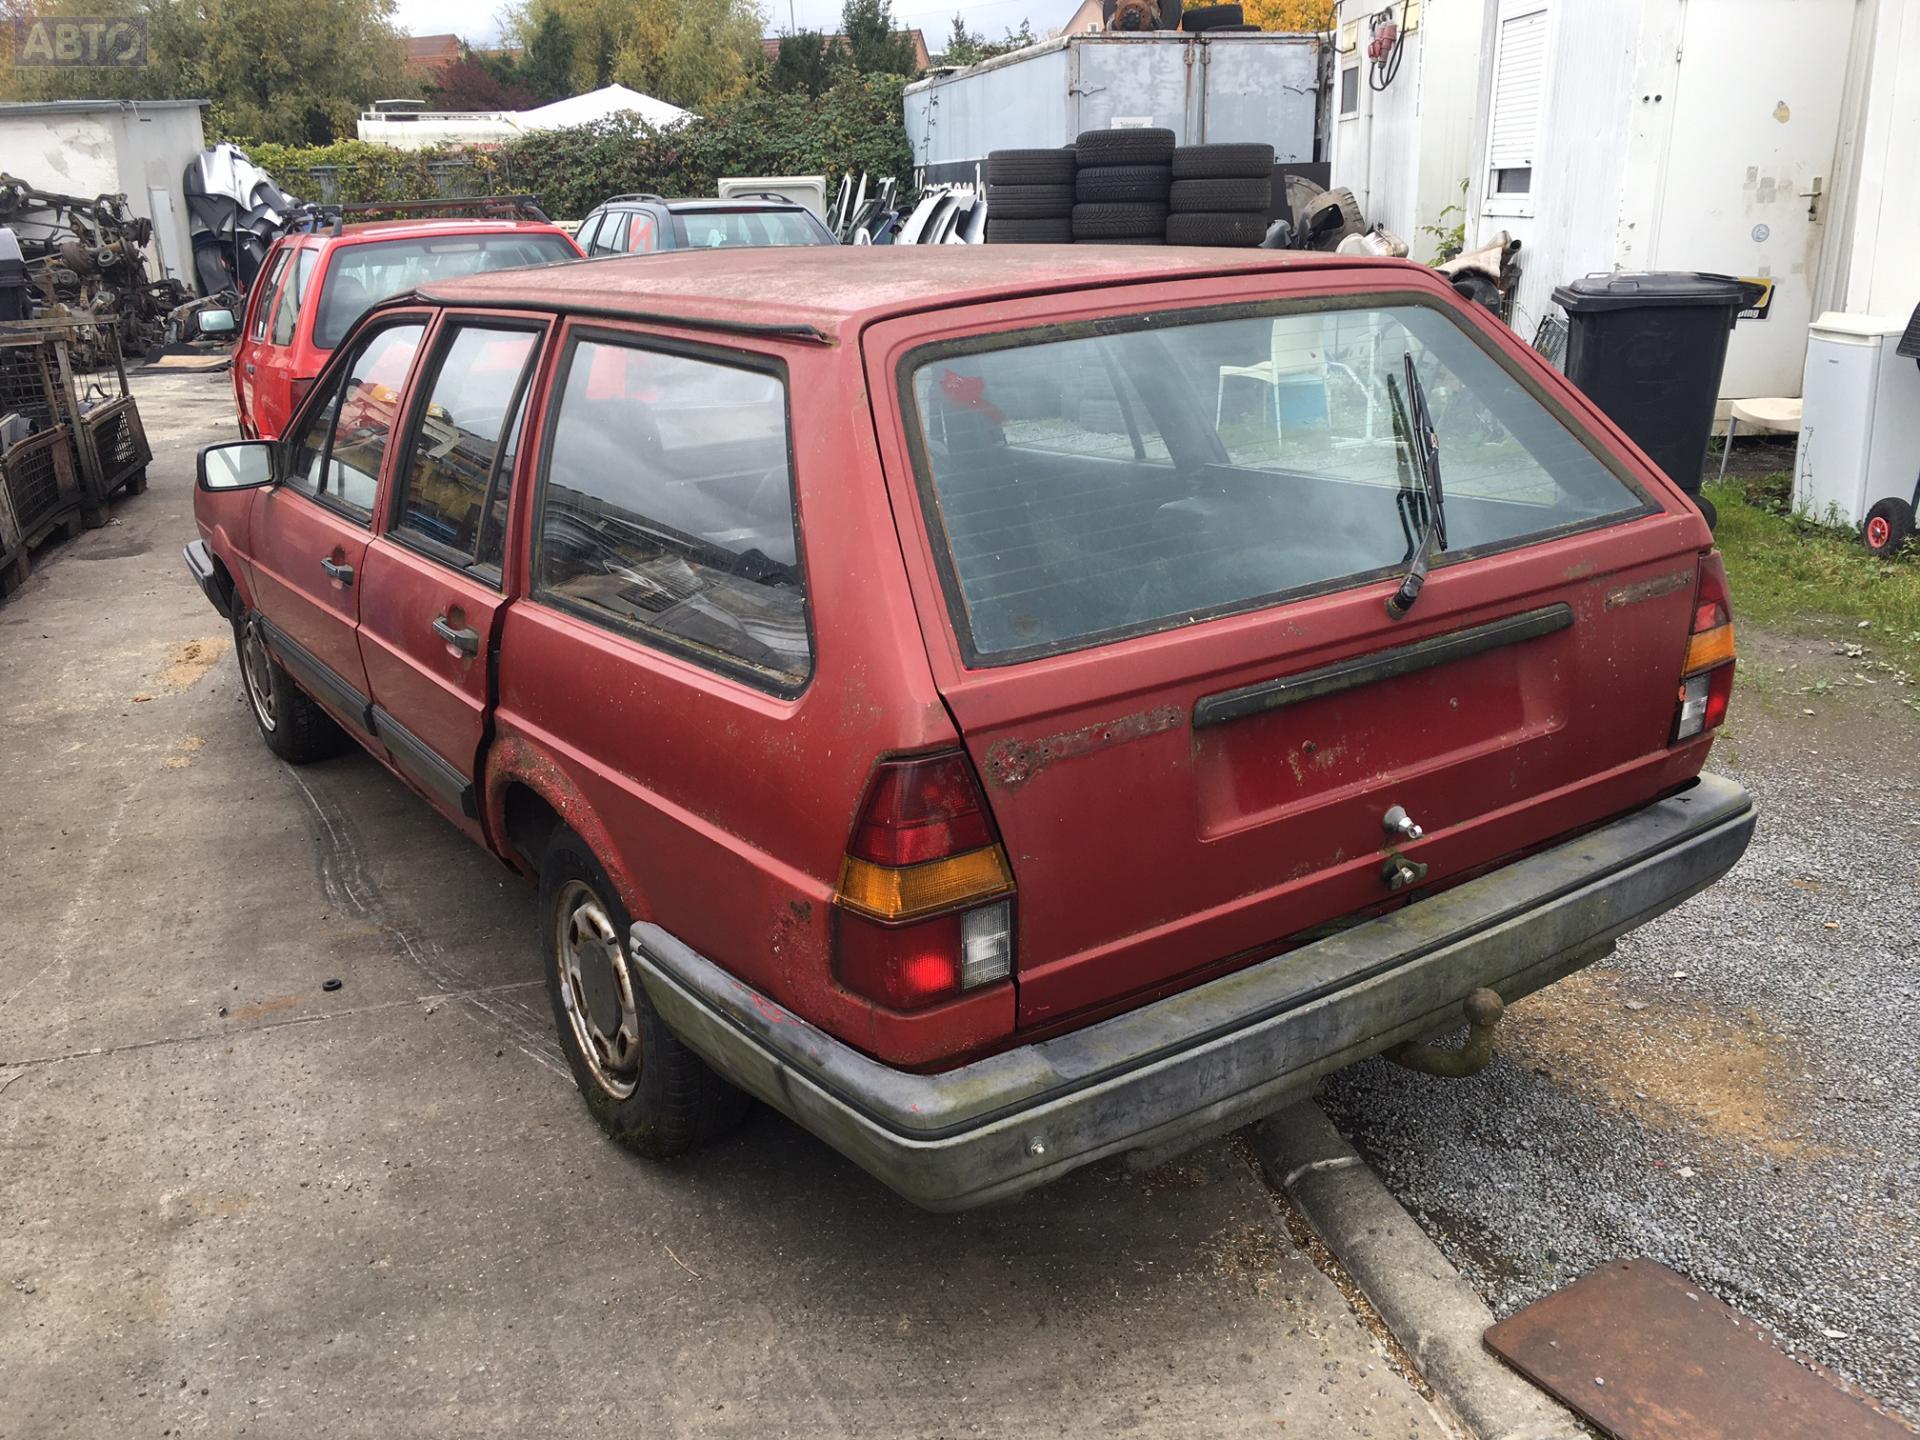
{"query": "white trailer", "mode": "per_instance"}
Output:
(1204, 88)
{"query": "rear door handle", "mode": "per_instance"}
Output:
(250, 367)
(466, 640)
(336, 571)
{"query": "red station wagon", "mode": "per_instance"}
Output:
(312, 288)
(1002, 707)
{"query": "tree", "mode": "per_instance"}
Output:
(803, 65)
(1291, 16)
(547, 66)
(963, 46)
(295, 71)
(691, 53)
(874, 46)
(1015, 40)
(475, 82)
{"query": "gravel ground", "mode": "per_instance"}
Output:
(1733, 1093)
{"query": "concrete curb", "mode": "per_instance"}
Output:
(1435, 1314)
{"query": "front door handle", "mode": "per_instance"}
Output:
(465, 639)
(338, 572)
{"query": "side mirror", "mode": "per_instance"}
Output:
(235, 465)
(216, 322)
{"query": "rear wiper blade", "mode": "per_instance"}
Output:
(1415, 421)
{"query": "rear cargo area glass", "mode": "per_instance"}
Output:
(1091, 487)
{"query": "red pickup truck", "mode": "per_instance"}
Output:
(1001, 707)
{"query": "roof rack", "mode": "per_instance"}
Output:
(637, 195)
(509, 207)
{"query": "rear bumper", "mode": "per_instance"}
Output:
(1195, 1064)
(200, 565)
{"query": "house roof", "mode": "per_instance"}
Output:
(77, 107)
(829, 292)
(430, 53)
(770, 45)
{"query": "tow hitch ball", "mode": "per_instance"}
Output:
(1483, 1010)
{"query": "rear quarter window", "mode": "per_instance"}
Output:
(1091, 487)
(666, 509)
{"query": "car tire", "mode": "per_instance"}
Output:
(1223, 161)
(1888, 526)
(1189, 197)
(1139, 183)
(646, 1089)
(1124, 147)
(1118, 220)
(1030, 167)
(289, 720)
(1211, 17)
(1028, 232)
(1216, 228)
(1030, 202)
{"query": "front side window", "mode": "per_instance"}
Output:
(1220, 465)
(269, 290)
(293, 293)
(453, 480)
(362, 275)
(667, 508)
(340, 452)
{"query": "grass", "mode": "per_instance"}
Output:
(1789, 574)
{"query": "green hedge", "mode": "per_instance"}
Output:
(854, 126)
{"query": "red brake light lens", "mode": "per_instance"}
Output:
(926, 808)
(1706, 675)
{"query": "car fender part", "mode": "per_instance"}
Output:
(1483, 1009)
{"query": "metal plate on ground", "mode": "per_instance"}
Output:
(1643, 1353)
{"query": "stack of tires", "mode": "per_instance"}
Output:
(1120, 187)
(1221, 194)
(1030, 197)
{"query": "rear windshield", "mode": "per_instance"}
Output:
(363, 275)
(714, 229)
(1088, 488)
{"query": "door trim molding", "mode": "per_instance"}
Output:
(426, 765)
(317, 677)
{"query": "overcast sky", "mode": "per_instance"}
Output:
(991, 18)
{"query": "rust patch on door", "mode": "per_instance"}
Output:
(1649, 589)
(1011, 763)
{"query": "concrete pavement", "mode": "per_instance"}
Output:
(232, 1202)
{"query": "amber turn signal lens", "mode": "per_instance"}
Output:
(1708, 649)
(890, 893)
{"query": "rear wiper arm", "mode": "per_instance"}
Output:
(1415, 421)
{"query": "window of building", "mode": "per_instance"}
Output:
(1515, 104)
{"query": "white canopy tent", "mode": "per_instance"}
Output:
(600, 104)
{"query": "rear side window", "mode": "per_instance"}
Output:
(453, 478)
(293, 292)
(269, 293)
(361, 275)
(667, 509)
(1090, 488)
(339, 455)
(717, 229)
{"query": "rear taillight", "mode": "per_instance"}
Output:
(925, 907)
(1706, 679)
(301, 387)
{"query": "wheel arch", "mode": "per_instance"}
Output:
(529, 794)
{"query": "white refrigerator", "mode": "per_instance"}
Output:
(1859, 420)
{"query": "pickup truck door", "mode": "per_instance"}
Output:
(310, 532)
(432, 592)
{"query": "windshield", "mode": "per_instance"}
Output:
(1124, 482)
(363, 275)
(712, 229)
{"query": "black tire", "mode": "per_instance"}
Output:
(1234, 30)
(1030, 167)
(1211, 17)
(288, 719)
(1190, 197)
(1888, 526)
(1124, 147)
(1028, 232)
(1220, 162)
(1105, 183)
(1030, 202)
(670, 1102)
(1216, 228)
(1118, 220)
(1126, 240)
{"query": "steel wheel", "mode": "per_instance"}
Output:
(256, 673)
(596, 989)
(1879, 531)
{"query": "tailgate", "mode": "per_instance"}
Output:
(1154, 559)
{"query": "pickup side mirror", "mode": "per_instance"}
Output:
(215, 322)
(235, 465)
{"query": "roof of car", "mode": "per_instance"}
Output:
(754, 201)
(821, 292)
